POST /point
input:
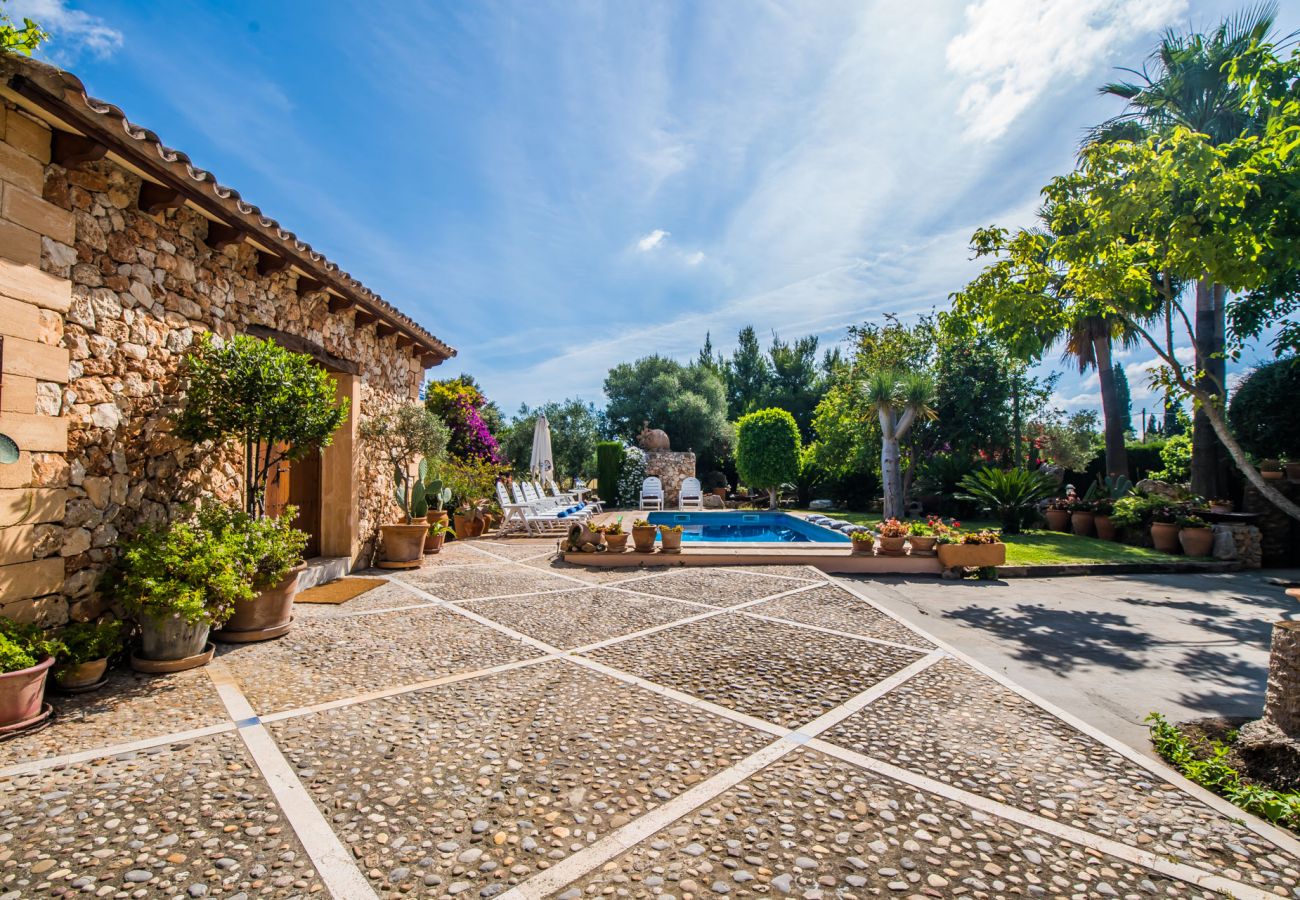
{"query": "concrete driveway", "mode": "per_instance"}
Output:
(1111, 649)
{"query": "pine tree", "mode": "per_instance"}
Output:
(749, 376)
(1153, 427)
(1125, 398)
(1173, 422)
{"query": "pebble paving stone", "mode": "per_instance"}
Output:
(192, 820)
(518, 548)
(130, 707)
(491, 579)
(810, 826)
(833, 607)
(957, 726)
(584, 616)
(388, 596)
(781, 673)
(719, 587)
(596, 574)
(802, 573)
(453, 553)
(474, 786)
(324, 659)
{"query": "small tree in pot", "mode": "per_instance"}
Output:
(279, 406)
(406, 435)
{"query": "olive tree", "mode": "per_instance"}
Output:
(767, 450)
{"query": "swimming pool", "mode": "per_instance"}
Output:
(746, 528)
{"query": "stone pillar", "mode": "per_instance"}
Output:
(1282, 702)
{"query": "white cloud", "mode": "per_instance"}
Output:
(1012, 52)
(71, 30)
(652, 240)
(694, 259)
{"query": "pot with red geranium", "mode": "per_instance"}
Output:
(1081, 517)
(1195, 535)
(971, 549)
(863, 543)
(923, 536)
(1058, 514)
(84, 651)
(27, 653)
(892, 537)
(408, 435)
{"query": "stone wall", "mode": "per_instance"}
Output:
(99, 302)
(1239, 542)
(671, 468)
(1279, 530)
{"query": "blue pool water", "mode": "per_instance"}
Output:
(747, 527)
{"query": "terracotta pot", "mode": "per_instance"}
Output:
(82, 675)
(616, 543)
(1292, 471)
(1058, 519)
(438, 515)
(1196, 541)
(403, 545)
(469, 526)
(590, 537)
(23, 692)
(670, 541)
(863, 548)
(1081, 523)
(975, 556)
(1164, 536)
(720, 492)
(1271, 476)
(1105, 529)
(266, 616)
(1220, 508)
(433, 542)
(171, 638)
(643, 538)
(892, 546)
(922, 544)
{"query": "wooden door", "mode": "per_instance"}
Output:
(277, 489)
(304, 493)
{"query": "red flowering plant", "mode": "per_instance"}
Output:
(891, 528)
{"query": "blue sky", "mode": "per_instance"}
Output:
(553, 188)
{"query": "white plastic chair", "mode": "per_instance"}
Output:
(690, 496)
(652, 493)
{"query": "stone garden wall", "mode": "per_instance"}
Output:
(672, 468)
(98, 303)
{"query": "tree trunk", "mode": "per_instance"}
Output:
(1116, 453)
(1209, 476)
(771, 498)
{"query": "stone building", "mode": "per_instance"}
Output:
(115, 252)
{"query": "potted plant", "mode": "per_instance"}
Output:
(1101, 520)
(471, 518)
(1220, 507)
(1058, 514)
(177, 582)
(1195, 535)
(84, 650)
(1164, 529)
(277, 406)
(615, 536)
(407, 435)
(1270, 469)
(922, 536)
(272, 549)
(670, 538)
(643, 536)
(863, 543)
(438, 532)
(26, 655)
(1082, 517)
(892, 537)
(971, 549)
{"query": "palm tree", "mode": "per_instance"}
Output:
(899, 400)
(1185, 83)
(1088, 342)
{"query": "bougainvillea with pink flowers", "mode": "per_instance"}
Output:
(458, 404)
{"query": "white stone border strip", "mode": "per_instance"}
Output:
(176, 737)
(1165, 774)
(333, 862)
(1126, 852)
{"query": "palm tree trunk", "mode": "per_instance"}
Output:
(1116, 453)
(1209, 458)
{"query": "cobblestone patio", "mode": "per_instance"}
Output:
(497, 724)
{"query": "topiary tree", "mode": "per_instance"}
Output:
(280, 405)
(767, 450)
(609, 460)
(1256, 412)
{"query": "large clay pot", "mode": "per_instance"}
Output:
(438, 515)
(643, 538)
(616, 543)
(171, 638)
(670, 540)
(1081, 523)
(403, 545)
(1105, 528)
(892, 546)
(922, 545)
(266, 616)
(1196, 541)
(974, 556)
(1164, 536)
(1058, 519)
(23, 692)
(83, 675)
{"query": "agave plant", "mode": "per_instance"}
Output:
(1008, 493)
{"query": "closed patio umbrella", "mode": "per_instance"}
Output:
(542, 463)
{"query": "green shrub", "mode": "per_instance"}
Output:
(184, 570)
(1255, 412)
(1176, 455)
(609, 464)
(631, 477)
(23, 646)
(1139, 510)
(270, 546)
(1008, 493)
(82, 642)
(767, 449)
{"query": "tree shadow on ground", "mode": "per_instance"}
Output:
(1219, 684)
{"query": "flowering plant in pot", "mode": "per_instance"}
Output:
(670, 538)
(83, 654)
(643, 536)
(278, 406)
(1058, 514)
(272, 549)
(893, 536)
(1101, 520)
(1082, 513)
(615, 536)
(1164, 528)
(407, 435)
(177, 582)
(1195, 535)
(924, 535)
(863, 543)
(26, 655)
(972, 549)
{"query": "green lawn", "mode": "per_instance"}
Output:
(1043, 548)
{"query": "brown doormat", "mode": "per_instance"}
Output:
(340, 591)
